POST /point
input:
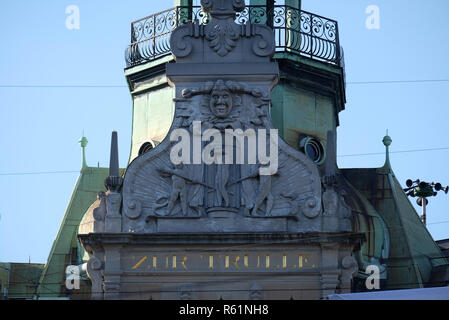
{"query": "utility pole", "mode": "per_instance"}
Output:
(423, 216)
(423, 190)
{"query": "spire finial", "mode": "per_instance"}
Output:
(83, 143)
(113, 161)
(387, 143)
(114, 181)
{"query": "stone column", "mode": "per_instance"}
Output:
(112, 273)
(113, 221)
(349, 270)
(330, 271)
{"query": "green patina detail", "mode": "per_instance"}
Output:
(413, 254)
(89, 183)
(424, 192)
(66, 249)
(183, 3)
(291, 3)
(297, 112)
(258, 2)
(309, 62)
(83, 143)
(153, 113)
(19, 279)
(150, 64)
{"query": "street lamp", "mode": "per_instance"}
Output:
(423, 190)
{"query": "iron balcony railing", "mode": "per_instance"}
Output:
(296, 31)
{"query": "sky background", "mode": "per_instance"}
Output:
(56, 82)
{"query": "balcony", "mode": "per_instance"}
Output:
(296, 32)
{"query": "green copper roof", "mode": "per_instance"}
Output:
(413, 253)
(20, 279)
(89, 183)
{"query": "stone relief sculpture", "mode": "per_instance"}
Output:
(178, 188)
(221, 169)
(192, 191)
(219, 110)
(264, 194)
(231, 113)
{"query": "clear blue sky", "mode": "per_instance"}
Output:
(41, 125)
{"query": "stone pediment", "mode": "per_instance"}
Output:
(159, 196)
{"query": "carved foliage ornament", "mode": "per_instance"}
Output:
(222, 33)
(222, 38)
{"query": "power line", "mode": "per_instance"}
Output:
(36, 173)
(398, 81)
(402, 151)
(440, 222)
(340, 156)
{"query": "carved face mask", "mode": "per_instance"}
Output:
(221, 103)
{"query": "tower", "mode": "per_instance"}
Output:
(374, 222)
(305, 103)
(210, 199)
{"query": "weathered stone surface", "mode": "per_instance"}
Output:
(228, 266)
(231, 62)
(153, 189)
(226, 230)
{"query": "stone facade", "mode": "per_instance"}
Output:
(225, 230)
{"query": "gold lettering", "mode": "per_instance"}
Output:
(308, 257)
(267, 263)
(174, 262)
(284, 263)
(211, 259)
(304, 260)
(154, 262)
(231, 261)
(234, 262)
(246, 262)
(182, 262)
(139, 263)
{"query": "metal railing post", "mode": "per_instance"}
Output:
(311, 36)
